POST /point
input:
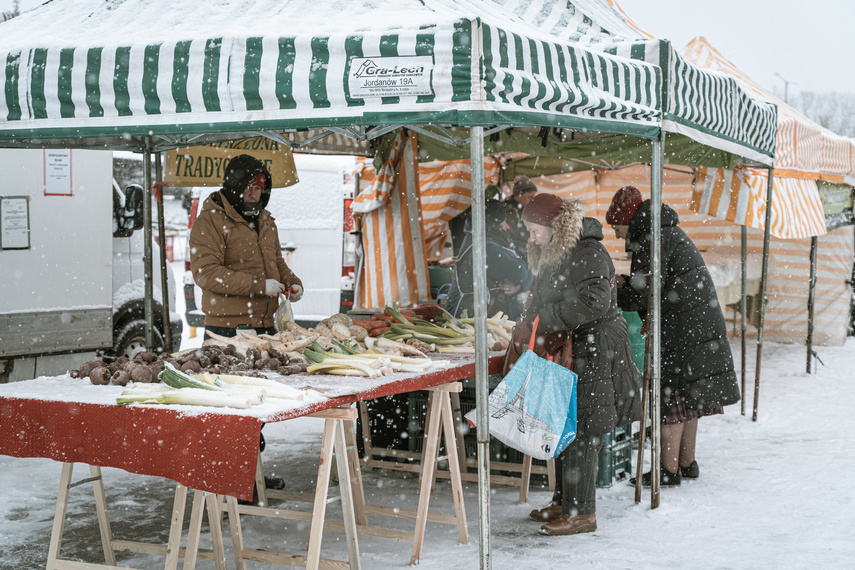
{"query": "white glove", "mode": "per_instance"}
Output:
(272, 287)
(295, 293)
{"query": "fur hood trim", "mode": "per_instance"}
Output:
(566, 232)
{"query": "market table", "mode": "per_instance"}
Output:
(210, 450)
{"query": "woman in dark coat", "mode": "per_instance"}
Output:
(697, 371)
(573, 296)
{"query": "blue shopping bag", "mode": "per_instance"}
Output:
(533, 409)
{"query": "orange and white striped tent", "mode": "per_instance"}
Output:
(403, 213)
(394, 266)
(806, 152)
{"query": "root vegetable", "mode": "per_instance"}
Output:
(358, 333)
(120, 378)
(260, 363)
(292, 369)
(74, 373)
(147, 357)
(141, 374)
(89, 366)
(191, 367)
(420, 345)
(272, 364)
(100, 376)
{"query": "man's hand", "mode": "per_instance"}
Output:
(273, 288)
(295, 293)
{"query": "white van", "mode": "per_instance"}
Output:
(311, 219)
(72, 264)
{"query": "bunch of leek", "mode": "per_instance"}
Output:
(180, 388)
(344, 360)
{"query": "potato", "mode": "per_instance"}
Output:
(272, 364)
(100, 376)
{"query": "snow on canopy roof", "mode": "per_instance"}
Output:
(706, 107)
(140, 67)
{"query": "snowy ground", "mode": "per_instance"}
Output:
(779, 492)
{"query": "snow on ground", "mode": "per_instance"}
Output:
(778, 492)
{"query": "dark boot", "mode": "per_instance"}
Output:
(272, 482)
(547, 514)
(666, 479)
(690, 472)
(566, 525)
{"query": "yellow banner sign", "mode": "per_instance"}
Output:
(205, 165)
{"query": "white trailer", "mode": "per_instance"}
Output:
(70, 264)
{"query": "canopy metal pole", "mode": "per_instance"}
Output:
(811, 300)
(479, 277)
(744, 308)
(654, 313)
(763, 280)
(147, 250)
(161, 232)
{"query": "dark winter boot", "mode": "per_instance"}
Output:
(666, 479)
(690, 472)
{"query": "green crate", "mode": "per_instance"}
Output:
(617, 436)
(615, 464)
(636, 339)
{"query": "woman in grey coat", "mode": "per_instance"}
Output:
(574, 297)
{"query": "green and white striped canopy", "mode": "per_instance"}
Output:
(708, 107)
(117, 69)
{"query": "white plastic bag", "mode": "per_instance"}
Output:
(284, 314)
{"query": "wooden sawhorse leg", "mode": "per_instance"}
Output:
(333, 442)
(65, 486)
(439, 411)
(172, 550)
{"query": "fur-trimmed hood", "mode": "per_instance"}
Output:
(567, 229)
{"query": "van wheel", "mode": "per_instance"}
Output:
(129, 340)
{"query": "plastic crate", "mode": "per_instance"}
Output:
(636, 339)
(615, 463)
(617, 436)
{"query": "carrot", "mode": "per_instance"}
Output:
(378, 330)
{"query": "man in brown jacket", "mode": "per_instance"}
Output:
(235, 254)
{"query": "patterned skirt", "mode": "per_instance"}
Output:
(680, 413)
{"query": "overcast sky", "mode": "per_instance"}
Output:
(809, 44)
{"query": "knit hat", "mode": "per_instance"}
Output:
(239, 173)
(542, 209)
(624, 204)
(258, 180)
(523, 185)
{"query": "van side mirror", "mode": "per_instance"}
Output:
(134, 196)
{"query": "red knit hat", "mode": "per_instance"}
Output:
(542, 209)
(258, 180)
(624, 204)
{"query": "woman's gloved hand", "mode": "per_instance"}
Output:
(272, 287)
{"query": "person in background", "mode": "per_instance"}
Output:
(235, 254)
(523, 192)
(697, 372)
(573, 298)
(507, 273)
(236, 259)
